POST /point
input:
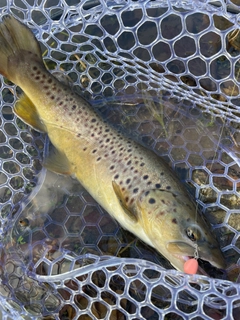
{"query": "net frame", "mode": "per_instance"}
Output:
(27, 147)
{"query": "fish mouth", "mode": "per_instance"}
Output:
(209, 264)
(205, 267)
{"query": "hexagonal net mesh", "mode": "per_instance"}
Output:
(167, 72)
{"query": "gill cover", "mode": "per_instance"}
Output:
(158, 203)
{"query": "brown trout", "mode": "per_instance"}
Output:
(130, 182)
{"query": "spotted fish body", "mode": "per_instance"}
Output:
(130, 182)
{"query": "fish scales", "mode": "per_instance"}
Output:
(131, 183)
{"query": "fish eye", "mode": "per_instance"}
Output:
(193, 233)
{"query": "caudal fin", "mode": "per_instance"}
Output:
(15, 40)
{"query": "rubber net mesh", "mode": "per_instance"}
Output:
(166, 72)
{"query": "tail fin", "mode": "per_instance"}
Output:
(15, 39)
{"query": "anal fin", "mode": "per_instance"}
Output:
(130, 213)
(26, 111)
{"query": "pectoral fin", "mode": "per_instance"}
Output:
(26, 110)
(130, 213)
(57, 162)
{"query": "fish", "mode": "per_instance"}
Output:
(132, 183)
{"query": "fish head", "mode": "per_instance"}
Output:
(176, 229)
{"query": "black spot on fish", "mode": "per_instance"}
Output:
(129, 162)
(94, 151)
(99, 158)
(135, 190)
(112, 167)
(145, 177)
(116, 176)
(35, 68)
(142, 164)
(158, 185)
(168, 187)
(74, 107)
(151, 201)
(52, 97)
(174, 220)
(163, 201)
(84, 149)
(162, 173)
(50, 80)
(149, 182)
(126, 199)
(128, 181)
